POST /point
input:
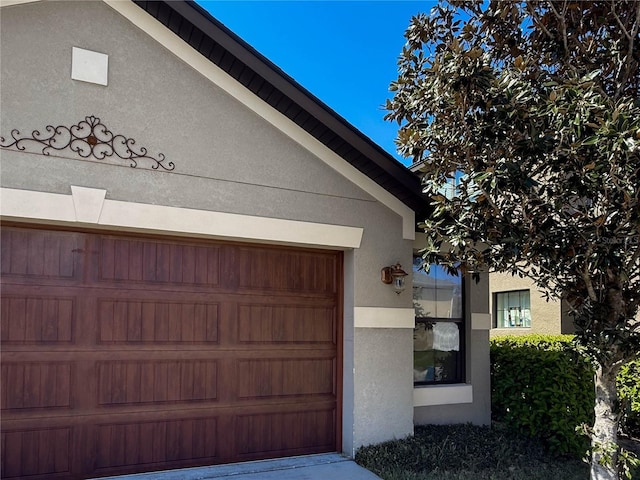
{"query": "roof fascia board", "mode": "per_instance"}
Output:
(219, 77)
(281, 80)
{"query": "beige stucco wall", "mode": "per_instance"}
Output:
(545, 315)
(228, 159)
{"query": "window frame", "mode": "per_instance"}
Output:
(496, 312)
(460, 376)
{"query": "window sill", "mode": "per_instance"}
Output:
(511, 329)
(432, 395)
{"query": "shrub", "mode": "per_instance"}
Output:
(542, 387)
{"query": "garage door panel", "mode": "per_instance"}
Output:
(148, 321)
(36, 319)
(263, 323)
(278, 270)
(41, 254)
(163, 263)
(36, 385)
(42, 453)
(269, 435)
(278, 377)
(161, 443)
(144, 382)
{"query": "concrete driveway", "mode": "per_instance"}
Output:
(310, 467)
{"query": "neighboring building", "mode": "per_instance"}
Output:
(519, 308)
(222, 300)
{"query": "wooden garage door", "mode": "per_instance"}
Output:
(125, 354)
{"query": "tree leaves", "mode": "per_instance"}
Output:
(537, 104)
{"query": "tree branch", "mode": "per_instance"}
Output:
(586, 277)
(532, 11)
(622, 26)
(631, 37)
(563, 24)
(635, 258)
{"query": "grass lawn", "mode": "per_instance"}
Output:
(467, 452)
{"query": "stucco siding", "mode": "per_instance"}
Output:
(227, 159)
(151, 96)
(382, 382)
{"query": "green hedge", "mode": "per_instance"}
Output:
(541, 386)
(629, 393)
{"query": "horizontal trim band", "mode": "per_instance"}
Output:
(379, 317)
(480, 321)
(88, 206)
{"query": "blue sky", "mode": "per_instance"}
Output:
(343, 52)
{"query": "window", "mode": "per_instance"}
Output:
(513, 309)
(438, 338)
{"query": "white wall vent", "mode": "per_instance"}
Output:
(88, 66)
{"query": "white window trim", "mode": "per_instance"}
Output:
(432, 395)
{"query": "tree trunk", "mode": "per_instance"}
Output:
(604, 441)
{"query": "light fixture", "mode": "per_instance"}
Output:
(395, 276)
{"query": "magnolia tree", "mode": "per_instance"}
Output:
(532, 108)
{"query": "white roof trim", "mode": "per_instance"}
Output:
(8, 3)
(219, 77)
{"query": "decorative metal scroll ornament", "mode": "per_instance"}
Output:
(87, 138)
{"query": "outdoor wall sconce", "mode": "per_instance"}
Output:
(395, 276)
